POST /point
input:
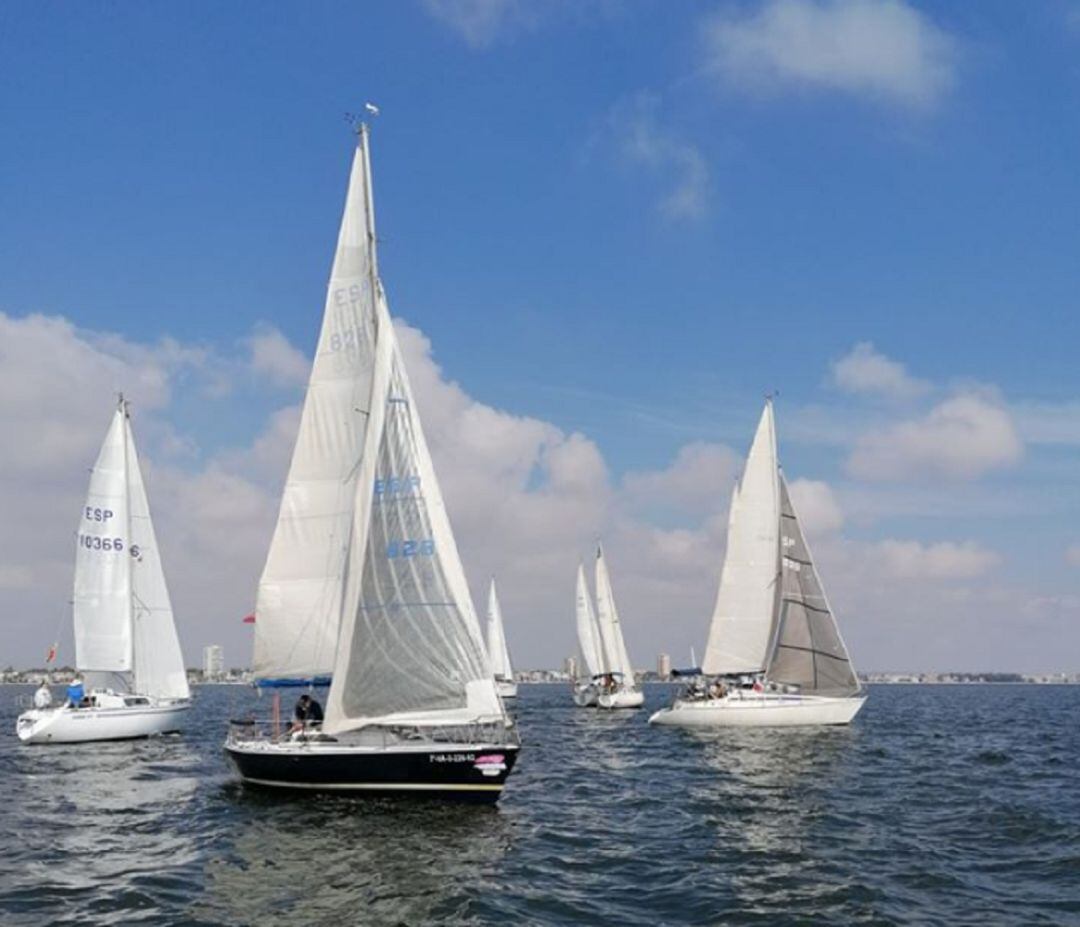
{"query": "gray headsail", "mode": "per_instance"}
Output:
(809, 651)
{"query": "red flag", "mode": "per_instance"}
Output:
(51, 655)
(249, 619)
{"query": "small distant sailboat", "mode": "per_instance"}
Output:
(612, 683)
(498, 652)
(775, 656)
(363, 588)
(125, 639)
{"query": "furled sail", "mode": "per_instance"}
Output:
(410, 649)
(617, 659)
(498, 652)
(158, 663)
(299, 602)
(592, 650)
(809, 651)
(742, 625)
(102, 604)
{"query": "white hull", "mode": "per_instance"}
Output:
(507, 689)
(621, 698)
(66, 725)
(760, 710)
(585, 696)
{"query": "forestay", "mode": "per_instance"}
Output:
(809, 651)
(300, 594)
(102, 603)
(617, 658)
(498, 652)
(592, 651)
(742, 626)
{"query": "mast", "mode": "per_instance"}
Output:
(123, 410)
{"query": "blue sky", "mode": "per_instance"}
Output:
(626, 221)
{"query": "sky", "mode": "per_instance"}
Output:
(607, 230)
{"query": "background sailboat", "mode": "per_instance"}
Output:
(618, 688)
(125, 637)
(774, 653)
(586, 690)
(497, 649)
(363, 582)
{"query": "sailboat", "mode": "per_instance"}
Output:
(612, 683)
(774, 656)
(125, 639)
(363, 589)
(498, 652)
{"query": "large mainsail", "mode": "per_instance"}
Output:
(299, 602)
(588, 634)
(742, 626)
(809, 651)
(102, 603)
(497, 649)
(410, 648)
(617, 659)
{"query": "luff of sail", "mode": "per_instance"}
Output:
(498, 651)
(809, 651)
(410, 649)
(617, 658)
(741, 632)
(587, 631)
(299, 602)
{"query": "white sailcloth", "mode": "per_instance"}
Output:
(742, 625)
(410, 648)
(299, 602)
(592, 650)
(617, 658)
(497, 649)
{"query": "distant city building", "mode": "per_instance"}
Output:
(570, 667)
(663, 666)
(213, 661)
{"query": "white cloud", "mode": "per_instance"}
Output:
(698, 481)
(639, 138)
(962, 437)
(273, 357)
(817, 507)
(942, 561)
(879, 49)
(1072, 555)
(865, 370)
(481, 22)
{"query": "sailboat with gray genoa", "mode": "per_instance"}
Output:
(363, 587)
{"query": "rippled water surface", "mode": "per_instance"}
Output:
(940, 805)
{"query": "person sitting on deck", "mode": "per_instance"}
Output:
(43, 696)
(307, 712)
(75, 692)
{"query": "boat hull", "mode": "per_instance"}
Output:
(65, 725)
(585, 696)
(507, 688)
(459, 772)
(621, 698)
(764, 710)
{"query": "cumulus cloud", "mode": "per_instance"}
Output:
(943, 561)
(698, 481)
(865, 370)
(639, 138)
(962, 437)
(877, 49)
(273, 357)
(817, 507)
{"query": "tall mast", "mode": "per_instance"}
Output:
(123, 409)
(369, 216)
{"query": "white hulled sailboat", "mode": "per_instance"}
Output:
(497, 649)
(775, 656)
(603, 649)
(125, 639)
(363, 582)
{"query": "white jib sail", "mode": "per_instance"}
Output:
(410, 649)
(588, 634)
(498, 652)
(742, 624)
(159, 665)
(102, 603)
(300, 594)
(618, 660)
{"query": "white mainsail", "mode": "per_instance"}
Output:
(409, 648)
(497, 649)
(809, 650)
(124, 626)
(588, 634)
(299, 602)
(616, 657)
(742, 625)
